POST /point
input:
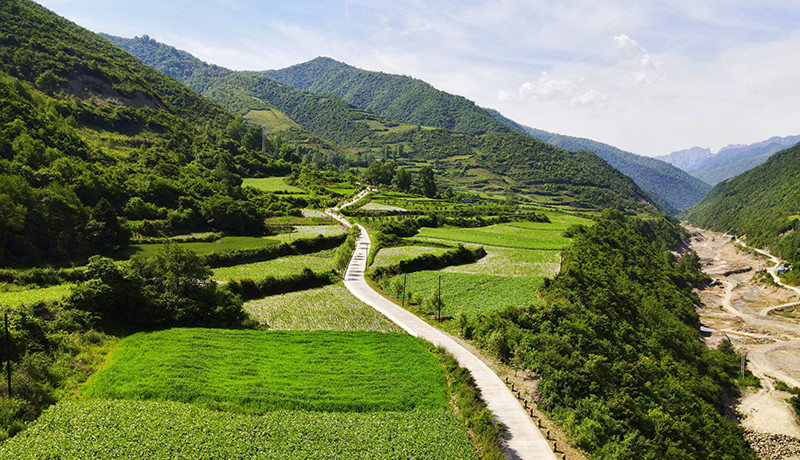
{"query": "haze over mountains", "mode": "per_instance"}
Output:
(730, 161)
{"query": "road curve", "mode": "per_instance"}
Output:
(523, 440)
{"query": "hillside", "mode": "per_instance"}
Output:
(396, 97)
(762, 204)
(670, 187)
(413, 101)
(95, 146)
(496, 163)
(730, 161)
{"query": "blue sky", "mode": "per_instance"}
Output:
(649, 77)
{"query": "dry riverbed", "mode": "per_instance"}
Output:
(736, 308)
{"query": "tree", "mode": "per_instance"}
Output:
(402, 179)
(427, 182)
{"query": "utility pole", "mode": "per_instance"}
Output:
(439, 298)
(263, 141)
(8, 358)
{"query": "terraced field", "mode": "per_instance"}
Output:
(308, 231)
(272, 184)
(391, 256)
(321, 261)
(170, 430)
(328, 308)
(225, 244)
(511, 262)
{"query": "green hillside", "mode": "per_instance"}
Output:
(497, 162)
(397, 97)
(672, 188)
(761, 204)
(95, 146)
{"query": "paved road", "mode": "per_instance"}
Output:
(523, 439)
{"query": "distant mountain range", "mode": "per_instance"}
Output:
(410, 100)
(730, 161)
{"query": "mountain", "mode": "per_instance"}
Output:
(730, 161)
(413, 101)
(396, 97)
(763, 204)
(670, 187)
(94, 145)
(688, 160)
(496, 162)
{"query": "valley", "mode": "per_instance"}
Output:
(756, 315)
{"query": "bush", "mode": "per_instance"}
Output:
(458, 256)
(249, 289)
(300, 246)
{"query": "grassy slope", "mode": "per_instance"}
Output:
(257, 371)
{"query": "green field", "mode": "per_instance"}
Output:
(321, 261)
(522, 235)
(228, 243)
(309, 231)
(467, 293)
(48, 294)
(511, 262)
(330, 308)
(272, 184)
(99, 429)
(391, 256)
(375, 206)
(258, 371)
(272, 120)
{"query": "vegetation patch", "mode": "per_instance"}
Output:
(258, 371)
(271, 184)
(100, 429)
(511, 235)
(331, 308)
(394, 255)
(226, 244)
(47, 294)
(512, 262)
(322, 261)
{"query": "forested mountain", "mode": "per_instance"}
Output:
(499, 161)
(90, 139)
(410, 100)
(672, 188)
(762, 204)
(396, 97)
(730, 161)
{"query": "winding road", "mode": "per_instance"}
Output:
(522, 439)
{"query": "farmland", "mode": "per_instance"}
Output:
(258, 371)
(272, 184)
(47, 294)
(308, 231)
(521, 235)
(170, 430)
(321, 261)
(225, 244)
(393, 255)
(467, 293)
(511, 262)
(327, 308)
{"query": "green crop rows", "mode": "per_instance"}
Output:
(309, 231)
(511, 262)
(99, 429)
(391, 256)
(258, 371)
(228, 243)
(272, 184)
(327, 308)
(467, 293)
(48, 294)
(321, 261)
(511, 235)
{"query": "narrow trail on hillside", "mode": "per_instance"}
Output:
(741, 311)
(522, 439)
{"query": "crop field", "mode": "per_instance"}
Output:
(391, 256)
(309, 231)
(100, 429)
(321, 261)
(330, 308)
(47, 294)
(522, 235)
(258, 371)
(376, 206)
(228, 243)
(468, 293)
(272, 120)
(511, 262)
(272, 184)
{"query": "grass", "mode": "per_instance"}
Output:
(321, 261)
(511, 262)
(467, 293)
(330, 308)
(47, 294)
(271, 184)
(521, 235)
(308, 231)
(258, 371)
(391, 256)
(273, 120)
(98, 429)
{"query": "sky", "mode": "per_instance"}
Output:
(650, 77)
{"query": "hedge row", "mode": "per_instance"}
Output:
(457, 256)
(250, 289)
(42, 276)
(300, 246)
(206, 238)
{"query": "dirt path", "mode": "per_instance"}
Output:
(739, 309)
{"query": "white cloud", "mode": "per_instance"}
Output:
(625, 42)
